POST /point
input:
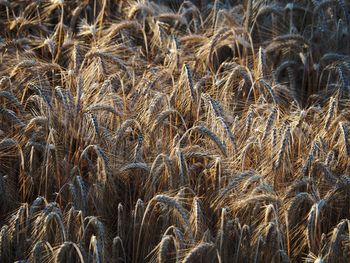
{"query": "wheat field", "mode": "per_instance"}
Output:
(175, 131)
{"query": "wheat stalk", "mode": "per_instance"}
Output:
(198, 251)
(65, 250)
